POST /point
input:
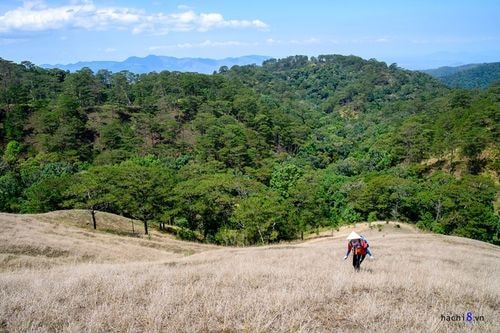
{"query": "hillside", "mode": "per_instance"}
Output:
(153, 63)
(55, 276)
(66, 237)
(253, 154)
(467, 76)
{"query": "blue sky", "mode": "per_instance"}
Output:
(414, 34)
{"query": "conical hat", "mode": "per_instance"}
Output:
(353, 235)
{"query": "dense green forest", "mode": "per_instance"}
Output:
(470, 76)
(253, 154)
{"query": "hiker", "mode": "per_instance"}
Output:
(358, 247)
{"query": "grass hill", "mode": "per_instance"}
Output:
(57, 274)
(59, 238)
(467, 76)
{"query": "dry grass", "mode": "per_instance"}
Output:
(304, 287)
(47, 240)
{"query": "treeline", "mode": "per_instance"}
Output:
(252, 154)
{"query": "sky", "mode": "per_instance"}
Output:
(415, 34)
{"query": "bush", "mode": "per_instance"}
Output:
(230, 237)
(437, 228)
(181, 222)
(425, 222)
(372, 216)
(171, 229)
(189, 235)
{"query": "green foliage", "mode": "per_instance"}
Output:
(133, 190)
(389, 196)
(10, 189)
(207, 201)
(15, 122)
(44, 184)
(253, 154)
(11, 153)
(372, 216)
(45, 195)
(261, 218)
(284, 177)
(190, 235)
(90, 189)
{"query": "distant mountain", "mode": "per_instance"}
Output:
(153, 63)
(467, 76)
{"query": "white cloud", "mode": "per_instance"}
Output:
(34, 17)
(84, 14)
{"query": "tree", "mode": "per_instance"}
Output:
(143, 192)
(90, 190)
(120, 92)
(10, 189)
(44, 183)
(208, 200)
(284, 177)
(260, 217)
(83, 87)
(308, 203)
(61, 128)
(136, 191)
(11, 153)
(45, 195)
(390, 196)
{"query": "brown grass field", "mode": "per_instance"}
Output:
(58, 275)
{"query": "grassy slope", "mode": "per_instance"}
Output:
(66, 237)
(57, 277)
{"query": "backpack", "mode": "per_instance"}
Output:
(359, 246)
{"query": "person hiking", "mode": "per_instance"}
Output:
(358, 247)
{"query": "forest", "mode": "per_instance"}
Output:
(253, 154)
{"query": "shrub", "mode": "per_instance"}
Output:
(190, 235)
(372, 216)
(230, 237)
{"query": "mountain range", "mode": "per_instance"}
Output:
(468, 76)
(154, 63)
